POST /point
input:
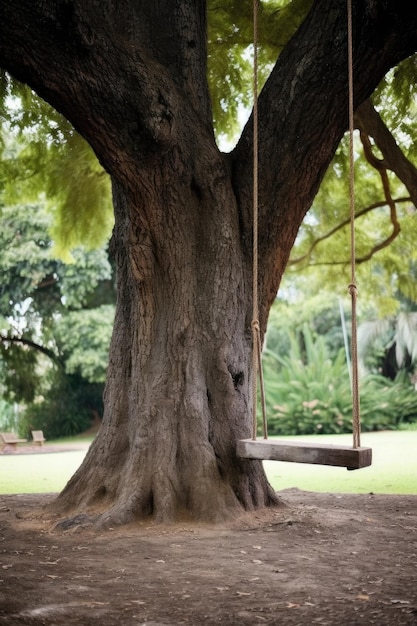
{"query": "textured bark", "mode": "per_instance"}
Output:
(132, 80)
(178, 382)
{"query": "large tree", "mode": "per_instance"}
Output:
(133, 82)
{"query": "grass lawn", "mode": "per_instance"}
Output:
(38, 473)
(394, 468)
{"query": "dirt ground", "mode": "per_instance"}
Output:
(319, 559)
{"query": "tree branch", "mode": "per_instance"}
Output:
(343, 224)
(32, 344)
(369, 122)
(152, 73)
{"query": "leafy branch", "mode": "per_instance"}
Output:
(32, 344)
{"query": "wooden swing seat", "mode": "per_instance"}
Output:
(297, 452)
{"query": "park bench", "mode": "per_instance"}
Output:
(10, 439)
(38, 437)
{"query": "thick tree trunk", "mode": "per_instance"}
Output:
(178, 391)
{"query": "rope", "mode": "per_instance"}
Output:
(356, 427)
(256, 335)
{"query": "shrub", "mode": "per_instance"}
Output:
(55, 421)
(309, 393)
(67, 408)
(8, 417)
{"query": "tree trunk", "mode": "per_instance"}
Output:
(178, 388)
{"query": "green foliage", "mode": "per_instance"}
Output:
(396, 97)
(83, 280)
(387, 403)
(56, 322)
(321, 312)
(81, 206)
(375, 339)
(69, 407)
(23, 237)
(83, 338)
(8, 421)
(389, 345)
(308, 393)
(21, 377)
(43, 157)
(230, 52)
(29, 271)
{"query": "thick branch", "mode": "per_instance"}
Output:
(369, 121)
(71, 53)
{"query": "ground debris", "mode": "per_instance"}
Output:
(134, 575)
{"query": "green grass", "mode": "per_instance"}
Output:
(394, 468)
(38, 473)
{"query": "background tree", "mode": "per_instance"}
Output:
(55, 324)
(385, 194)
(134, 85)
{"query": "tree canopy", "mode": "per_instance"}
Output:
(51, 158)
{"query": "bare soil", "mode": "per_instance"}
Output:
(320, 559)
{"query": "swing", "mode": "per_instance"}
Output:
(354, 457)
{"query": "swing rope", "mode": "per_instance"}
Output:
(356, 422)
(256, 332)
(256, 335)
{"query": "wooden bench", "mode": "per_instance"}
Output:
(38, 438)
(10, 439)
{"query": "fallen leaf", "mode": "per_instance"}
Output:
(362, 596)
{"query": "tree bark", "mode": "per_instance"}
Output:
(133, 83)
(178, 388)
